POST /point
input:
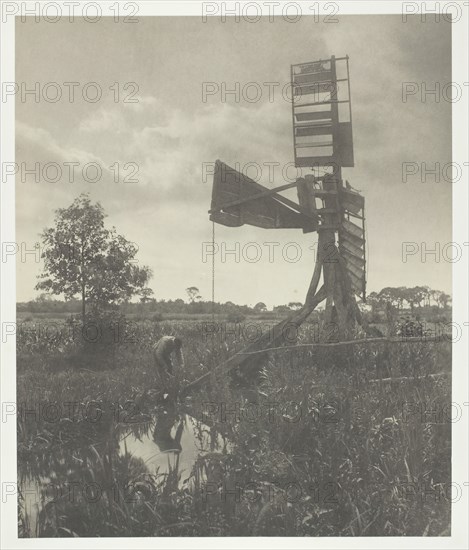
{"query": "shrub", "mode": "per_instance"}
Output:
(235, 317)
(157, 317)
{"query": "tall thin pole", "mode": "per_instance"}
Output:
(213, 272)
(293, 108)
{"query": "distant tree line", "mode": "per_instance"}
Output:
(149, 306)
(415, 297)
(397, 297)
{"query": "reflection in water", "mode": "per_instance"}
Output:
(170, 443)
(128, 460)
(162, 434)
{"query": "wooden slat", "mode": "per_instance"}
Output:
(352, 201)
(323, 130)
(350, 207)
(348, 237)
(225, 218)
(353, 229)
(311, 67)
(313, 115)
(317, 88)
(351, 248)
(313, 144)
(351, 259)
(356, 282)
(327, 102)
(305, 78)
(309, 161)
(357, 271)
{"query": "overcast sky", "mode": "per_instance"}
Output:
(170, 133)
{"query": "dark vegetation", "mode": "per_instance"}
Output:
(334, 452)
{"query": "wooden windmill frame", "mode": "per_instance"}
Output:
(322, 139)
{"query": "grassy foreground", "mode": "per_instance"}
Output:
(321, 447)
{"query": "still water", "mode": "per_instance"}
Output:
(166, 446)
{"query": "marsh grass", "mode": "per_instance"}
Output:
(315, 449)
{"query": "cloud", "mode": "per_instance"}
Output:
(39, 144)
(103, 121)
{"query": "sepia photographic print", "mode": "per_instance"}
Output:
(234, 274)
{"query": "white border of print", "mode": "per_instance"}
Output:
(460, 512)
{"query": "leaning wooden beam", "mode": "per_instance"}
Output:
(386, 380)
(414, 340)
(269, 341)
(240, 357)
(313, 285)
(263, 344)
(423, 377)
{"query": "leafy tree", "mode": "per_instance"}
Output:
(420, 293)
(146, 295)
(373, 298)
(260, 307)
(83, 258)
(295, 306)
(400, 296)
(413, 296)
(444, 299)
(193, 294)
(426, 293)
(434, 295)
(388, 295)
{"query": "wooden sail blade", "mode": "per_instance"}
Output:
(351, 248)
(254, 204)
(352, 229)
(351, 201)
(317, 93)
(352, 241)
